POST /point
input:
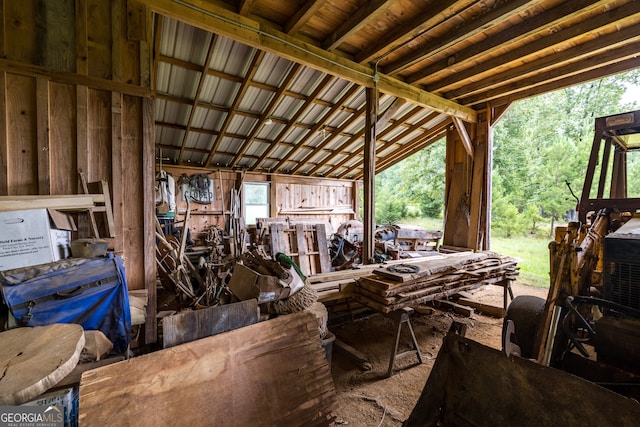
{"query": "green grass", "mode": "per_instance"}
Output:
(532, 252)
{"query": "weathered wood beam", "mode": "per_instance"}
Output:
(75, 79)
(245, 7)
(369, 177)
(440, 11)
(598, 73)
(501, 13)
(380, 124)
(364, 15)
(532, 25)
(617, 59)
(591, 30)
(215, 19)
(435, 133)
(464, 136)
(302, 16)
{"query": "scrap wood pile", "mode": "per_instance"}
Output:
(404, 285)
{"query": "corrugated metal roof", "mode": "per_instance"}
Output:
(473, 52)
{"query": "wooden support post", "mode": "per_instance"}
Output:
(369, 178)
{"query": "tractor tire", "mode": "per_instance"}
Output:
(525, 312)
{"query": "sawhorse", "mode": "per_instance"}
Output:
(402, 316)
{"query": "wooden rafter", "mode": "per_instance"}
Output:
(405, 33)
(395, 141)
(294, 119)
(606, 64)
(534, 25)
(221, 21)
(380, 124)
(608, 70)
(196, 97)
(504, 11)
(334, 109)
(334, 134)
(367, 13)
(592, 27)
(303, 15)
(275, 100)
(257, 59)
(434, 134)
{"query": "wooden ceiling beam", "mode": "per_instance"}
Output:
(585, 38)
(253, 67)
(533, 25)
(574, 70)
(594, 74)
(294, 119)
(303, 15)
(363, 16)
(577, 53)
(213, 18)
(245, 6)
(275, 100)
(403, 34)
(505, 11)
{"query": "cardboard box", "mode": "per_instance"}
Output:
(66, 398)
(248, 284)
(27, 238)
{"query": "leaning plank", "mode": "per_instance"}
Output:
(271, 373)
(32, 360)
(66, 202)
(192, 325)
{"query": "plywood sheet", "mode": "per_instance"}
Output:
(270, 373)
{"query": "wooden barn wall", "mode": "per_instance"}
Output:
(468, 188)
(75, 95)
(291, 197)
(334, 201)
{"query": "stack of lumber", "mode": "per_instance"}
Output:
(388, 289)
(269, 373)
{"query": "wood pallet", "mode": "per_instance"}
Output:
(305, 244)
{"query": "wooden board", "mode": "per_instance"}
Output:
(271, 373)
(32, 360)
(432, 265)
(192, 325)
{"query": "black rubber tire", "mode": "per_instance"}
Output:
(525, 312)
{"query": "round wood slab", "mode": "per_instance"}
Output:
(32, 360)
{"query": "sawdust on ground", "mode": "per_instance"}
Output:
(365, 396)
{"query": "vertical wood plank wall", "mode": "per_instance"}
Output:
(75, 95)
(288, 194)
(468, 188)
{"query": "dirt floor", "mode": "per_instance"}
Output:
(365, 396)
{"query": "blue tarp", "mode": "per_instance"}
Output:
(92, 293)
